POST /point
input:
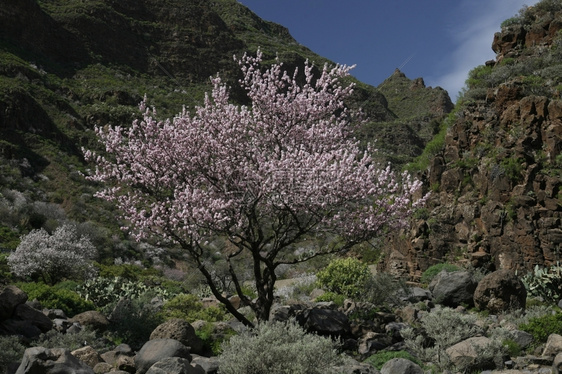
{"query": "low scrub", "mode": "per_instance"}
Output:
(432, 271)
(542, 327)
(57, 297)
(278, 348)
(380, 358)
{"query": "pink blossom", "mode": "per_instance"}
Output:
(266, 175)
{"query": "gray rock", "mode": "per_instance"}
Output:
(417, 294)
(553, 345)
(181, 331)
(325, 322)
(453, 289)
(39, 360)
(209, 364)
(102, 368)
(401, 366)
(93, 319)
(88, 355)
(54, 313)
(159, 349)
(126, 363)
(24, 312)
(10, 298)
(61, 324)
(466, 354)
(18, 327)
(557, 364)
(522, 338)
(500, 291)
(175, 365)
(373, 342)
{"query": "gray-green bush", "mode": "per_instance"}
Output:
(278, 348)
(444, 327)
(11, 352)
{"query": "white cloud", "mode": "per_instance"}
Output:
(473, 34)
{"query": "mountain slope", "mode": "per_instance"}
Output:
(69, 65)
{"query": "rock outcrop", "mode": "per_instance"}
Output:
(496, 185)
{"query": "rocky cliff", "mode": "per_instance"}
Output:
(496, 182)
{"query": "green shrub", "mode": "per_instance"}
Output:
(434, 146)
(57, 297)
(278, 348)
(11, 352)
(432, 271)
(511, 21)
(9, 239)
(479, 77)
(512, 347)
(213, 340)
(380, 358)
(542, 327)
(5, 273)
(336, 298)
(189, 308)
(126, 271)
(345, 276)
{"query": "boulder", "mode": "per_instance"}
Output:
(159, 349)
(453, 289)
(553, 345)
(93, 319)
(209, 364)
(39, 360)
(417, 294)
(88, 355)
(325, 322)
(522, 338)
(181, 331)
(24, 312)
(17, 327)
(10, 298)
(54, 313)
(126, 364)
(400, 366)
(500, 291)
(175, 365)
(557, 364)
(373, 342)
(466, 353)
(102, 368)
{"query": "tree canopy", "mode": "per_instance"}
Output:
(265, 177)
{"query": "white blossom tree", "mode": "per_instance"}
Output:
(65, 254)
(264, 178)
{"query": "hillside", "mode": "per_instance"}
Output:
(495, 171)
(66, 66)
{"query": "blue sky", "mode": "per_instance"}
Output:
(438, 40)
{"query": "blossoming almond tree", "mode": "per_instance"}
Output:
(264, 177)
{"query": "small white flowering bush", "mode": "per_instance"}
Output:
(51, 258)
